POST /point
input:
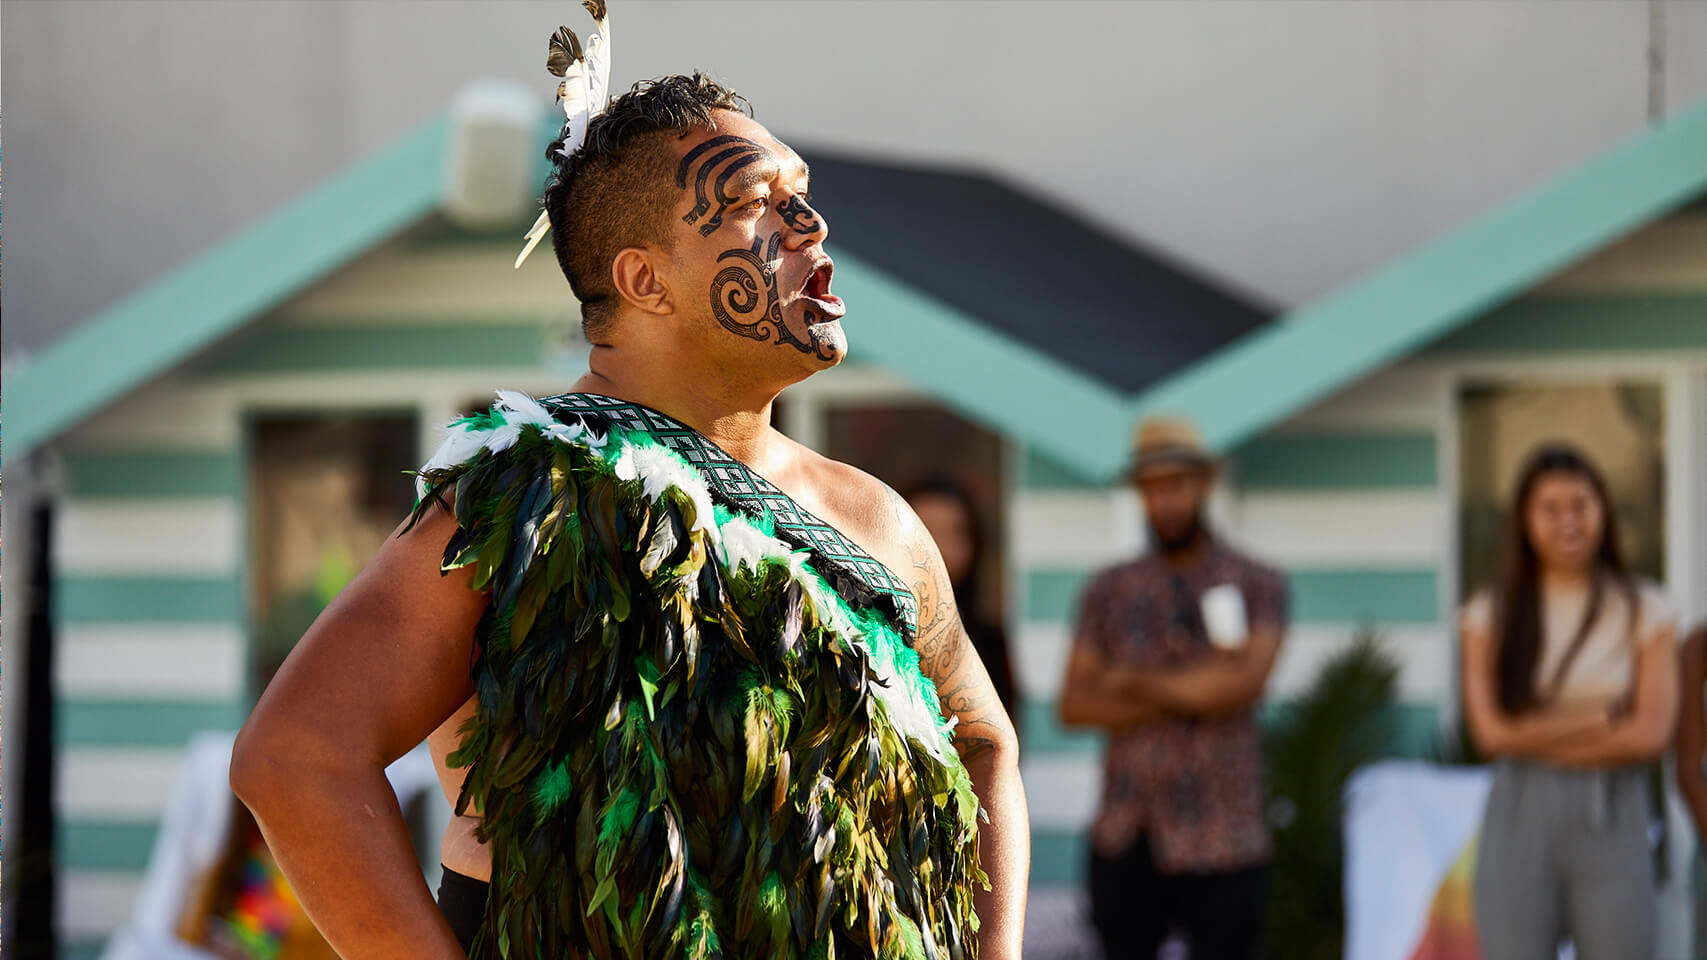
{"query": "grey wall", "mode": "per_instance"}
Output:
(1284, 146)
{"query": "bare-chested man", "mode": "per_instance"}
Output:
(720, 669)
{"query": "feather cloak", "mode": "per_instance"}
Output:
(688, 742)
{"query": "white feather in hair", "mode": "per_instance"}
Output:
(583, 92)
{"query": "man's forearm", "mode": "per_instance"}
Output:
(341, 842)
(1107, 712)
(1204, 690)
(1004, 851)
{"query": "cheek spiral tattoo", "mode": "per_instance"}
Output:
(744, 298)
(728, 154)
(799, 217)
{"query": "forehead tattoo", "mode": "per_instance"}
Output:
(726, 156)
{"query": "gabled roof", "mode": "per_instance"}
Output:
(145, 334)
(1405, 305)
(1027, 269)
(973, 290)
(931, 327)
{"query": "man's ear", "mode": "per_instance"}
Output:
(637, 281)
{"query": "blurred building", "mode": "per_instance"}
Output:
(222, 449)
(1011, 205)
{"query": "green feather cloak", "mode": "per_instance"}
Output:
(689, 743)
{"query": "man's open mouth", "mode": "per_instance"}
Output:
(825, 305)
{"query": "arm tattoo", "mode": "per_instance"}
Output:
(943, 645)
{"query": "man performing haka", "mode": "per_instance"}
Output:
(695, 690)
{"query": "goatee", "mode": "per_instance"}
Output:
(1187, 537)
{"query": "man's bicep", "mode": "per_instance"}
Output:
(389, 658)
(946, 654)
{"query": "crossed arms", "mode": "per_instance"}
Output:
(1117, 698)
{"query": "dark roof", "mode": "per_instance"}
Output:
(1033, 271)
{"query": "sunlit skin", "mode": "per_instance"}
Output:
(1564, 522)
(668, 287)
(1118, 699)
(387, 663)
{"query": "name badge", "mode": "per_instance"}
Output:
(1224, 616)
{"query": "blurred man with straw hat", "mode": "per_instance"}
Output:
(1170, 655)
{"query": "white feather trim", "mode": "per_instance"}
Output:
(518, 408)
(504, 437)
(459, 444)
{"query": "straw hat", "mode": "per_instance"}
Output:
(1167, 441)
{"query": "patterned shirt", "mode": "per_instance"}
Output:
(1193, 786)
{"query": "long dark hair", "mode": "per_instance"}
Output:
(1518, 615)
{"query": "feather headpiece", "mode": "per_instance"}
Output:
(582, 93)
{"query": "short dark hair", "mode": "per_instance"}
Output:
(615, 191)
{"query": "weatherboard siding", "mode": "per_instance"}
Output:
(151, 534)
(151, 635)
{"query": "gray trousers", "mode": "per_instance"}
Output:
(1564, 855)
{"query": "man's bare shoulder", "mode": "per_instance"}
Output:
(860, 505)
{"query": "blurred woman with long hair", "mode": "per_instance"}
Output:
(1570, 688)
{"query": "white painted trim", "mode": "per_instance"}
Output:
(136, 661)
(95, 903)
(153, 537)
(1686, 490)
(1422, 651)
(168, 415)
(1062, 790)
(1358, 529)
(1449, 483)
(1066, 529)
(400, 388)
(433, 410)
(806, 418)
(115, 783)
(1040, 658)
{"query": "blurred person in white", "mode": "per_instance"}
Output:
(1170, 656)
(1570, 689)
(1691, 783)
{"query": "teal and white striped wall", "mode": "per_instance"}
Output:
(1352, 498)
(151, 541)
(152, 643)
